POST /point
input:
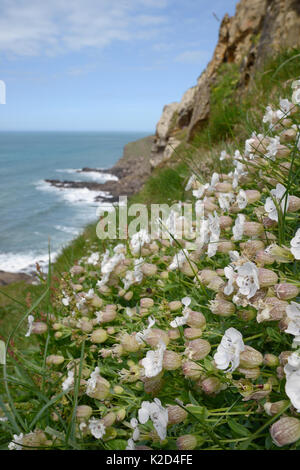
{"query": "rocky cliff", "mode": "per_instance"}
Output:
(258, 29)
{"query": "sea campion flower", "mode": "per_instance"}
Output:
(93, 259)
(97, 428)
(285, 431)
(229, 350)
(30, 319)
(247, 279)
(295, 245)
(214, 227)
(158, 415)
(68, 382)
(108, 264)
(231, 276)
(15, 444)
(282, 199)
(293, 314)
(292, 386)
(241, 199)
(153, 362)
(138, 240)
(182, 320)
(238, 228)
(142, 335)
(135, 276)
(178, 260)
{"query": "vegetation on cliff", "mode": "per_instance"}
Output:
(145, 344)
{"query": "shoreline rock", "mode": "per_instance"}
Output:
(9, 278)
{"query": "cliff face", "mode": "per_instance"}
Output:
(258, 29)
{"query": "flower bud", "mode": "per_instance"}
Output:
(222, 307)
(149, 269)
(186, 442)
(273, 409)
(283, 357)
(153, 385)
(252, 195)
(270, 360)
(55, 359)
(128, 296)
(118, 389)
(288, 135)
(105, 290)
(286, 291)
(211, 385)
(262, 258)
(285, 431)
(146, 302)
(120, 414)
(109, 419)
(294, 204)
(175, 305)
(86, 326)
(192, 370)
(250, 358)
(209, 206)
(176, 414)
(206, 275)
(225, 221)
(192, 333)
(188, 268)
(223, 187)
(197, 349)
(75, 270)
(101, 389)
(39, 327)
(246, 315)
(98, 336)
(129, 343)
(96, 301)
(266, 277)
(253, 228)
(83, 412)
(171, 360)
(58, 334)
(251, 247)
(196, 319)
(174, 333)
(252, 373)
(155, 336)
(225, 246)
(34, 439)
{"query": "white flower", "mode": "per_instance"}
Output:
(138, 240)
(178, 260)
(214, 180)
(234, 256)
(293, 314)
(66, 301)
(93, 259)
(292, 386)
(225, 200)
(239, 170)
(135, 276)
(273, 147)
(130, 445)
(158, 415)
(141, 336)
(15, 444)
(180, 321)
(136, 432)
(198, 193)
(295, 245)
(214, 227)
(241, 199)
(152, 363)
(238, 228)
(92, 382)
(223, 155)
(285, 106)
(190, 182)
(296, 96)
(230, 274)
(229, 350)
(108, 264)
(120, 248)
(68, 382)
(30, 319)
(247, 279)
(97, 428)
(281, 197)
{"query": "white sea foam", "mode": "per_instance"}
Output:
(24, 262)
(73, 195)
(72, 230)
(90, 175)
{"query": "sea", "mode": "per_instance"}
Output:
(33, 213)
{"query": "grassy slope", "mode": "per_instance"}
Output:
(230, 123)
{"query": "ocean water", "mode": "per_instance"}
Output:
(33, 212)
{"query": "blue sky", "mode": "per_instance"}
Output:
(101, 64)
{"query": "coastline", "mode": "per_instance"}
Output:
(131, 171)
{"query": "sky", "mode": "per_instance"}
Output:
(101, 65)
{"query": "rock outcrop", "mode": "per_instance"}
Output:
(258, 29)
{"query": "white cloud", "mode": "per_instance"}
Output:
(33, 27)
(192, 57)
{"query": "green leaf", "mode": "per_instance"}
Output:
(237, 428)
(117, 444)
(192, 399)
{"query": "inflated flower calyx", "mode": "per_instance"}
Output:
(98, 336)
(129, 343)
(39, 327)
(192, 370)
(250, 358)
(176, 414)
(211, 385)
(286, 291)
(266, 277)
(171, 360)
(83, 412)
(186, 442)
(273, 409)
(197, 349)
(175, 305)
(285, 431)
(223, 308)
(54, 359)
(192, 333)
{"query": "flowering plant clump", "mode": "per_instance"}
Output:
(151, 345)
